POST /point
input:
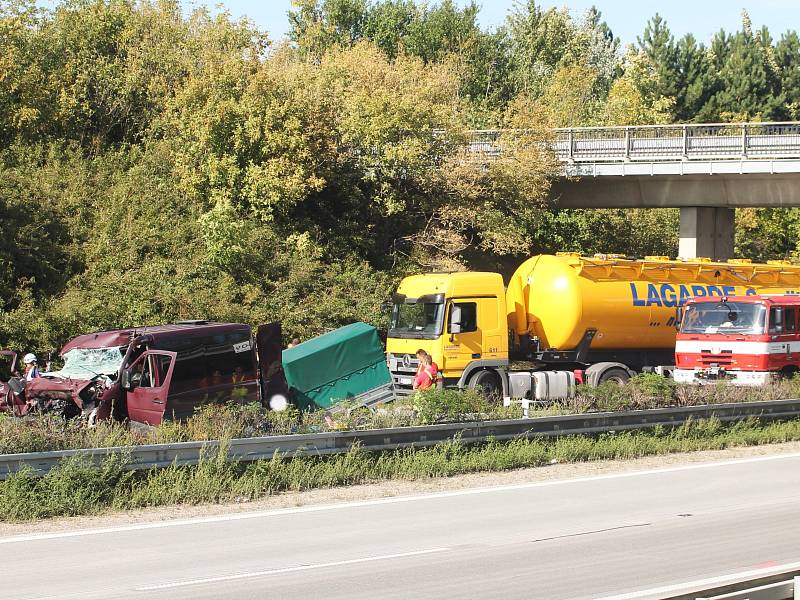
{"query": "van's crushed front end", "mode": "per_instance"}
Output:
(87, 382)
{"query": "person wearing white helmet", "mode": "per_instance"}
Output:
(31, 366)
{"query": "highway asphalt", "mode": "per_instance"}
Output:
(624, 535)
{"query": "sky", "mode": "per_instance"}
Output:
(626, 18)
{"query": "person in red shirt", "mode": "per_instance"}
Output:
(427, 371)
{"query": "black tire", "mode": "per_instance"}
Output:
(488, 382)
(617, 375)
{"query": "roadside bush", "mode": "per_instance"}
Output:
(435, 406)
(650, 387)
(75, 487)
(608, 396)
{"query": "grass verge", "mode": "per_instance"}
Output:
(76, 488)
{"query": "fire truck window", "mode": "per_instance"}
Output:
(790, 319)
(776, 319)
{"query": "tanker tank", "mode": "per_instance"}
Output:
(631, 304)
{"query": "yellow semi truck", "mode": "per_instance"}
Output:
(563, 318)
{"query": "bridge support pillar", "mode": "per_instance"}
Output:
(706, 232)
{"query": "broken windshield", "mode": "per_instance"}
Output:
(84, 363)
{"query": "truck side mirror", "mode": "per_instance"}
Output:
(125, 380)
(455, 319)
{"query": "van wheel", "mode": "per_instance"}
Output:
(788, 372)
(488, 382)
(618, 376)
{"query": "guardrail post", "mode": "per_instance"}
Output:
(627, 144)
(744, 140)
(685, 142)
(571, 141)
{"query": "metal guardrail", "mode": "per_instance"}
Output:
(782, 590)
(779, 583)
(659, 143)
(321, 444)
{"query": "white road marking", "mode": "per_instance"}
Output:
(699, 584)
(338, 563)
(394, 500)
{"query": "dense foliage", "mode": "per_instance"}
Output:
(157, 166)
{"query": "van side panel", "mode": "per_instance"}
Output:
(216, 366)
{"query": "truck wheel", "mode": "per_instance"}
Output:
(488, 382)
(618, 376)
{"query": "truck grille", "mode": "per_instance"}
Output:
(398, 363)
(403, 368)
(724, 358)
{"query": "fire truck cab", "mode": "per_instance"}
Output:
(747, 340)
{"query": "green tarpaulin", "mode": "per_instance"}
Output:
(342, 364)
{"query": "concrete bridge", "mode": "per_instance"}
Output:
(706, 170)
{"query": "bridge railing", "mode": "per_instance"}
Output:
(654, 143)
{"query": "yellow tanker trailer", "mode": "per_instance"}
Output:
(603, 317)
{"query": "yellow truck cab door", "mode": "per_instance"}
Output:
(471, 323)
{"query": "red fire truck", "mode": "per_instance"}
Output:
(747, 340)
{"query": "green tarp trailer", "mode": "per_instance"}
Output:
(345, 364)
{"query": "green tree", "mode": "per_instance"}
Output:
(635, 97)
(542, 40)
(24, 96)
(787, 56)
(658, 44)
(694, 87)
(747, 84)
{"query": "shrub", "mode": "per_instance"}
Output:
(435, 405)
(652, 387)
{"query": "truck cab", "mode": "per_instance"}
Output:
(459, 319)
(747, 340)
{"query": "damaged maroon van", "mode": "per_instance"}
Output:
(151, 374)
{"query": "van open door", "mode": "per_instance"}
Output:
(269, 348)
(8, 371)
(146, 382)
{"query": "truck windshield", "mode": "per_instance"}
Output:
(84, 363)
(417, 319)
(724, 317)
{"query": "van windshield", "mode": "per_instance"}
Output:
(412, 319)
(724, 317)
(84, 363)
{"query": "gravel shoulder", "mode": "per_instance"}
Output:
(393, 488)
